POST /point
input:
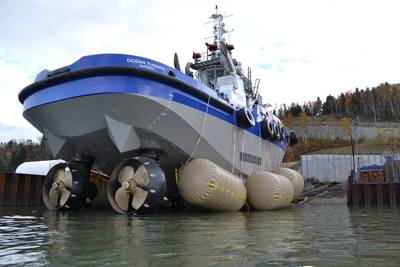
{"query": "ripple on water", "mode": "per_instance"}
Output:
(21, 240)
(326, 234)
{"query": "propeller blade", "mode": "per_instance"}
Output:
(59, 175)
(65, 193)
(53, 197)
(125, 174)
(64, 176)
(176, 62)
(122, 199)
(141, 176)
(139, 196)
(67, 179)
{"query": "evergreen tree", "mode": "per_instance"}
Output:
(329, 107)
(17, 157)
(317, 108)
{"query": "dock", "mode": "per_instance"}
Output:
(22, 190)
(381, 194)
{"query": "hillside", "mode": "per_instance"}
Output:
(380, 103)
(370, 115)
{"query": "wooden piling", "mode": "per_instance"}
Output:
(23, 190)
(20, 190)
(373, 194)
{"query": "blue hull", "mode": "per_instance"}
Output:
(115, 73)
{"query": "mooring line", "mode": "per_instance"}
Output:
(201, 133)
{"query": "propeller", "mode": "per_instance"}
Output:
(176, 62)
(133, 187)
(61, 188)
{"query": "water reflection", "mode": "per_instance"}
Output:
(316, 234)
(21, 238)
(377, 235)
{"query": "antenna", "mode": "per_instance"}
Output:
(219, 26)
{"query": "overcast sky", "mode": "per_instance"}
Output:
(299, 49)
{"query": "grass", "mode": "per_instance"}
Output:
(366, 147)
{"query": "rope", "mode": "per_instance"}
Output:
(241, 162)
(220, 187)
(234, 142)
(259, 143)
(201, 134)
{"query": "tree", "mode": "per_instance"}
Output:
(44, 147)
(295, 109)
(329, 107)
(347, 103)
(342, 104)
(317, 107)
(304, 122)
(377, 103)
(330, 125)
(14, 153)
(17, 157)
(307, 108)
(288, 120)
(356, 102)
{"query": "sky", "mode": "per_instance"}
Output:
(299, 49)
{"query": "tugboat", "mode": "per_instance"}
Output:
(141, 122)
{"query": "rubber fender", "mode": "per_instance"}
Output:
(294, 177)
(277, 135)
(267, 130)
(268, 191)
(205, 184)
(245, 118)
(281, 132)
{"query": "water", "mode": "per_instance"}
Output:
(324, 233)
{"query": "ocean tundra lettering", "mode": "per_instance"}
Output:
(145, 63)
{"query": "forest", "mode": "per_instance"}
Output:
(381, 103)
(13, 153)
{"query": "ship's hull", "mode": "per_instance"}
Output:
(114, 117)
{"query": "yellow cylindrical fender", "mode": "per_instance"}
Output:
(205, 184)
(295, 177)
(268, 191)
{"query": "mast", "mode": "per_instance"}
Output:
(217, 66)
(219, 41)
(219, 26)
